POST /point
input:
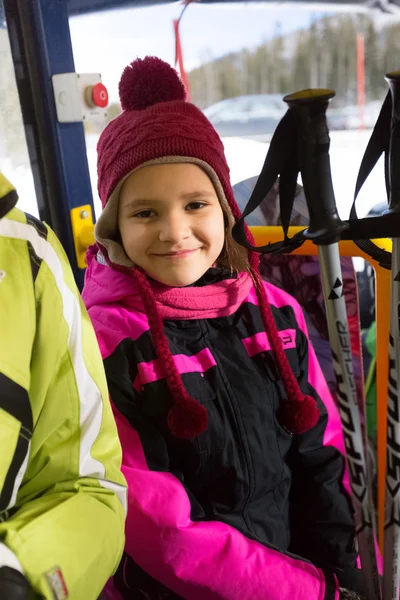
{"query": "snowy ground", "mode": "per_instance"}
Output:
(245, 158)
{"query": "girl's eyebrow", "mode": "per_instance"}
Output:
(198, 194)
(140, 202)
(135, 202)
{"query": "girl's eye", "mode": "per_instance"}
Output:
(144, 214)
(195, 205)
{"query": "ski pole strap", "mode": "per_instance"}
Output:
(291, 151)
(377, 145)
(282, 160)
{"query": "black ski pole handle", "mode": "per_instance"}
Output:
(309, 107)
(393, 164)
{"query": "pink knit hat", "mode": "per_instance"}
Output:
(158, 126)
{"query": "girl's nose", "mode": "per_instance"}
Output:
(174, 229)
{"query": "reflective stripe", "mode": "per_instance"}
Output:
(37, 225)
(14, 400)
(19, 478)
(91, 405)
(119, 490)
(8, 558)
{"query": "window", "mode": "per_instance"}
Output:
(241, 59)
(14, 158)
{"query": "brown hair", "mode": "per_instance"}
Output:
(233, 256)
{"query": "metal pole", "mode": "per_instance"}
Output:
(339, 337)
(392, 514)
(309, 108)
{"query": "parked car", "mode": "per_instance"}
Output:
(357, 118)
(257, 116)
(253, 116)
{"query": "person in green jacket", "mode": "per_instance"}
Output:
(62, 495)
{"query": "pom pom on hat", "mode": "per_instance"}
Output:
(148, 81)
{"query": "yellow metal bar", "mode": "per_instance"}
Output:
(82, 231)
(265, 235)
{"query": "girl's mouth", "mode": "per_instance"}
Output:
(178, 253)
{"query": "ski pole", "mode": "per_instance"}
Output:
(392, 500)
(309, 107)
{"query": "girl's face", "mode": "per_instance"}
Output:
(171, 222)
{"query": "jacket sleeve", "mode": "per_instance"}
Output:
(322, 519)
(194, 557)
(64, 495)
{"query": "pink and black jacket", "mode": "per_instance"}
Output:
(245, 511)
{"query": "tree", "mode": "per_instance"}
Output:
(301, 61)
(323, 55)
(228, 80)
(391, 48)
(374, 81)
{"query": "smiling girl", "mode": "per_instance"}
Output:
(232, 447)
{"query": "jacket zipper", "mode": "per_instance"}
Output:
(239, 424)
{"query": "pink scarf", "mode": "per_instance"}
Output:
(219, 299)
(106, 283)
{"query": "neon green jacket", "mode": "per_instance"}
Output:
(62, 495)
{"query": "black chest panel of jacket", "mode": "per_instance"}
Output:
(240, 470)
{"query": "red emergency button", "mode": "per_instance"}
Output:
(100, 95)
